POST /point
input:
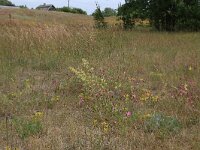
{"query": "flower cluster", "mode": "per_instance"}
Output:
(38, 116)
(148, 96)
(92, 84)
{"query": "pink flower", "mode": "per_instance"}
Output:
(81, 101)
(128, 114)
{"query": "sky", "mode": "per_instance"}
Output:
(87, 5)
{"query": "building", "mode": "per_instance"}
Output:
(47, 7)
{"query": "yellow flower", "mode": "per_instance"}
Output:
(95, 122)
(147, 116)
(190, 68)
(155, 98)
(57, 98)
(105, 126)
(27, 83)
(126, 97)
(7, 148)
(38, 115)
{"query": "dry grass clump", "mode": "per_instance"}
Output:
(65, 85)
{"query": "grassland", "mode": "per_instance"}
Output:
(66, 85)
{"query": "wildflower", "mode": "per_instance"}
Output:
(38, 115)
(105, 126)
(95, 122)
(128, 114)
(185, 87)
(81, 101)
(190, 68)
(147, 116)
(27, 83)
(7, 148)
(142, 80)
(57, 98)
(146, 95)
(117, 85)
(155, 98)
(126, 97)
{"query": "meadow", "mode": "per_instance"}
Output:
(65, 85)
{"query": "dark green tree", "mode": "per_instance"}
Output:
(23, 6)
(131, 10)
(188, 15)
(6, 3)
(99, 18)
(164, 15)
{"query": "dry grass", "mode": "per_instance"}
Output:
(36, 50)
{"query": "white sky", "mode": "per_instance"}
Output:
(87, 5)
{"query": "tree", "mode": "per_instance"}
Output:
(188, 15)
(127, 13)
(23, 6)
(163, 14)
(99, 18)
(131, 10)
(167, 15)
(6, 3)
(109, 12)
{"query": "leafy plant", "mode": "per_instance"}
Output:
(28, 127)
(162, 124)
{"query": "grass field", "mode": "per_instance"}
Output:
(65, 85)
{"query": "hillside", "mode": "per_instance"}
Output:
(66, 85)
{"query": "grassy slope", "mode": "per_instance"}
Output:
(36, 50)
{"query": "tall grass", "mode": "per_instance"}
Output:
(38, 48)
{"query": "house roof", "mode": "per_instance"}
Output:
(45, 6)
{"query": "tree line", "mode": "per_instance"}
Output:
(72, 10)
(167, 15)
(6, 3)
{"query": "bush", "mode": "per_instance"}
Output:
(26, 127)
(23, 6)
(72, 10)
(164, 125)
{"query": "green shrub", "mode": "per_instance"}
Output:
(162, 124)
(72, 10)
(28, 127)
